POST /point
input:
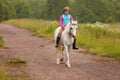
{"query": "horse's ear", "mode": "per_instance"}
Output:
(76, 21)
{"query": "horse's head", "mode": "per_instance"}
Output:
(73, 28)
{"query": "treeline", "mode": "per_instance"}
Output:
(97, 10)
(82, 10)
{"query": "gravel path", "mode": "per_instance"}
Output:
(40, 56)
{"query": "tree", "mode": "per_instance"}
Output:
(22, 8)
(92, 11)
(38, 8)
(118, 12)
(55, 7)
(2, 17)
(10, 11)
(82, 10)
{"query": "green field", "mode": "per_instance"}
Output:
(100, 39)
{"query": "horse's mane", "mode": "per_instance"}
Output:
(67, 27)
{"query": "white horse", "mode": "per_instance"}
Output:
(66, 41)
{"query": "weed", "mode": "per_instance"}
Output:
(16, 61)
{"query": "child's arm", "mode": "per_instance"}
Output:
(71, 18)
(61, 22)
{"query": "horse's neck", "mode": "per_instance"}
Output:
(66, 31)
(67, 28)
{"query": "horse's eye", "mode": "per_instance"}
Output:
(71, 28)
(73, 24)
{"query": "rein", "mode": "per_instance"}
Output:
(70, 33)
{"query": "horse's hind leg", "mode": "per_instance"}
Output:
(58, 57)
(60, 54)
(62, 58)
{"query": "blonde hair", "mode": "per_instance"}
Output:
(66, 9)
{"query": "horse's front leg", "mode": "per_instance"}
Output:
(67, 56)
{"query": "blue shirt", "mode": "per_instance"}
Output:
(66, 19)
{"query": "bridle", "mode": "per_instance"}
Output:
(70, 32)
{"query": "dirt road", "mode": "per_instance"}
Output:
(40, 56)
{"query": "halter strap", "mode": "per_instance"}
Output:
(70, 31)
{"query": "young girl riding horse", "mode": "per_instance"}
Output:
(65, 18)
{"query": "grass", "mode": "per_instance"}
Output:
(38, 27)
(16, 61)
(100, 41)
(14, 70)
(2, 73)
(20, 72)
(103, 41)
(1, 41)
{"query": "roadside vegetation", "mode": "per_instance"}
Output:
(13, 63)
(1, 42)
(100, 39)
(38, 27)
(2, 73)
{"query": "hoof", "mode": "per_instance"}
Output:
(61, 60)
(68, 65)
(58, 62)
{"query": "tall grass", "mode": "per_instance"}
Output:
(100, 41)
(104, 41)
(38, 27)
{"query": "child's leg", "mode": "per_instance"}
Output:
(74, 43)
(58, 37)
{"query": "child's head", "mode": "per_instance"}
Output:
(66, 10)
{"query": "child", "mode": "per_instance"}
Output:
(65, 18)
